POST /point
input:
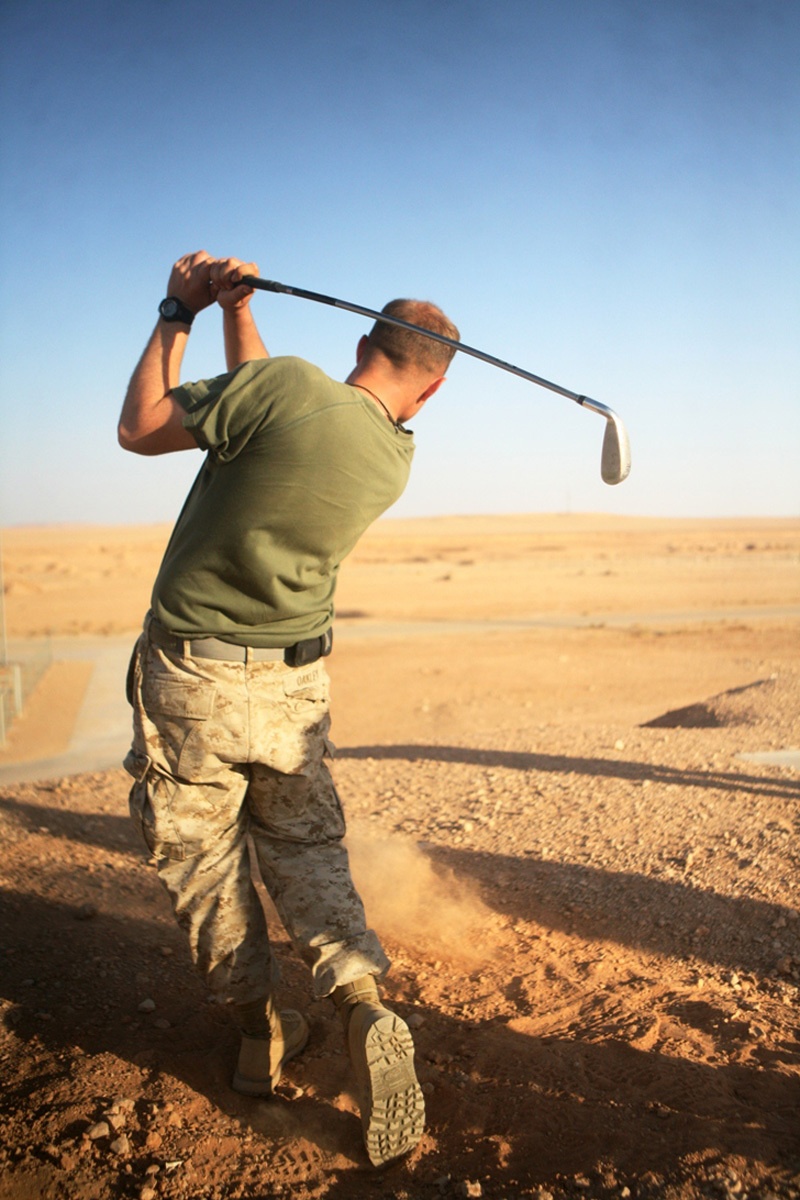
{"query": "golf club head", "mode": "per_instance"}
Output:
(615, 463)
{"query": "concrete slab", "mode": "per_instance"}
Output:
(102, 732)
(774, 758)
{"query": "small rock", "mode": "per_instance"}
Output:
(470, 1187)
(619, 744)
(147, 1193)
(121, 1145)
(161, 1023)
(427, 1088)
(415, 1021)
(147, 1006)
(99, 1130)
(167, 951)
(153, 1140)
(85, 912)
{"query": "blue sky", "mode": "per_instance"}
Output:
(604, 193)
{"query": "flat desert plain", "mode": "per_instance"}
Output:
(550, 733)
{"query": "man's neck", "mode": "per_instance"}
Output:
(379, 402)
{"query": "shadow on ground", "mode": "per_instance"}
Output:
(564, 764)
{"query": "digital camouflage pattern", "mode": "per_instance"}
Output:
(223, 750)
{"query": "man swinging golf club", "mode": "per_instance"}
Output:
(227, 682)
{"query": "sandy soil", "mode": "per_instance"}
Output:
(590, 898)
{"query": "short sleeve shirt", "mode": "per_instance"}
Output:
(297, 466)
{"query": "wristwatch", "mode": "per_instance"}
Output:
(173, 309)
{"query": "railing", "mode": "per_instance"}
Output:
(18, 678)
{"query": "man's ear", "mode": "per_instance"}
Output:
(433, 387)
(361, 348)
(417, 404)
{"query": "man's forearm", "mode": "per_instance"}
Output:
(150, 422)
(242, 340)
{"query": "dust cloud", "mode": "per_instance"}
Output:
(413, 903)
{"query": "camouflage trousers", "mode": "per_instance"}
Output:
(224, 753)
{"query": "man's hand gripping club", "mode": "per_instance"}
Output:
(151, 421)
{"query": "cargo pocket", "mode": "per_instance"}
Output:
(149, 804)
(179, 710)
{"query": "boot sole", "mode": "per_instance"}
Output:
(392, 1104)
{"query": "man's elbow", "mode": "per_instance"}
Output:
(127, 440)
(164, 439)
(137, 443)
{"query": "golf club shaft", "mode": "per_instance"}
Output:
(269, 285)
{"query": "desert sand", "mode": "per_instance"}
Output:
(588, 889)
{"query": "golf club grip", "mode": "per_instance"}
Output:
(270, 285)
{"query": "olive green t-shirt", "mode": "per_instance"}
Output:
(297, 467)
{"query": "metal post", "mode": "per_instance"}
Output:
(3, 641)
(3, 651)
(16, 672)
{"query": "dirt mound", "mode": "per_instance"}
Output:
(737, 706)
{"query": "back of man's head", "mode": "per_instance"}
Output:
(407, 350)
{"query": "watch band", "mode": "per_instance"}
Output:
(173, 309)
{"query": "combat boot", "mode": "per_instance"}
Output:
(269, 1039)
(382, 1053)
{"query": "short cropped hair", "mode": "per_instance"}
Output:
(406, 349)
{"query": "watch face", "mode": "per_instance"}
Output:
(168, 309)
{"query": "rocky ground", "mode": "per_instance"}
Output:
(595, 941)
(591, 902)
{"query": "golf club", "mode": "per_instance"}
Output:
(615, 461)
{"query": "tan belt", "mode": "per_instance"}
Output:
(298, 655)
